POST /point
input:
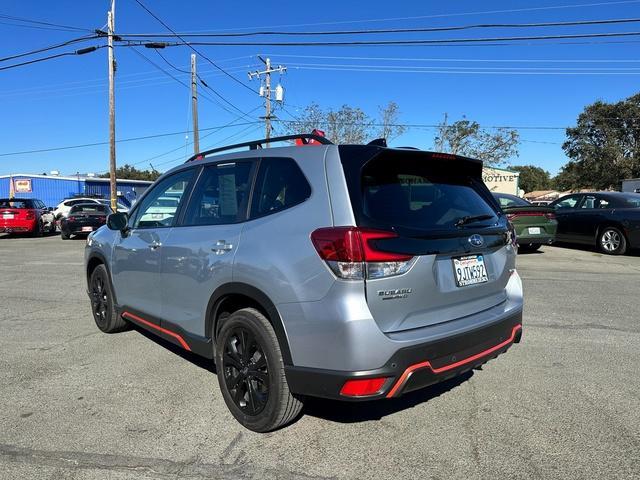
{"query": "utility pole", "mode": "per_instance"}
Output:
(112, 107)
(194, 105)
(267, 90)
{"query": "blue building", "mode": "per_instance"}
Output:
(52, 189)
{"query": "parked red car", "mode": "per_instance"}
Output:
(22, 215)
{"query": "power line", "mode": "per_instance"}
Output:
(502, 60)
(443, 41)
(40, 22)
(388, 30)
(196, 51)
(50, 47)
(132, 139)
(81, 51)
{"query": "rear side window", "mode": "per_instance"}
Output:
(417, 193)
(280, 185)
(221, 195)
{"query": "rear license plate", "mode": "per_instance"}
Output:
(8, 216)
(87, 229)
(534, 230)
(470, 270)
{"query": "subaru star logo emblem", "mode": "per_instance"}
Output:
(476, 240)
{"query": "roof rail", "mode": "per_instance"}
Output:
(255, 144)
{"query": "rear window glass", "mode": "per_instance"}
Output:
(92, 208)
(14, 203)
(410, 193)
(507, 201)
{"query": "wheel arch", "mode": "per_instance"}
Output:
(610, 223)
(236, 295)
(94, 260)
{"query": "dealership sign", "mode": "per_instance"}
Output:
(22, 185)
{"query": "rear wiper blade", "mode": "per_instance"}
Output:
(472, 218)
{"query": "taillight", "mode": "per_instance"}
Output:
(510, 216)
(550, 215)
(351, 253)
(510, 236)
(71, 219)
(31, 214)
(102, 219)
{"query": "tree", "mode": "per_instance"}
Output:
(465, 137)
(130, 172)
(348, 125)
(604, 146)
(569, 178)
(533, 178)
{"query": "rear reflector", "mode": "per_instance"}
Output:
(362, 387)
(352, 251)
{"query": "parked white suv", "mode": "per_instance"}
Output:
(62, 210)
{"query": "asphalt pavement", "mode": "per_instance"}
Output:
(79, 404)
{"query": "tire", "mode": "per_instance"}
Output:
(256, 369)
(64, 235)
(102, 305)
(52, 227)
(612, 241)
(38, 231)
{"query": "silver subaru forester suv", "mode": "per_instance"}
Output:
(351, 272)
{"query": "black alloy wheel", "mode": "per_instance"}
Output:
(251, 372)
(100, 304)
(245, 370)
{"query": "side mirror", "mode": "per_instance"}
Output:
(117, 221)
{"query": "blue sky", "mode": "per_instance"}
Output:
(64, 101)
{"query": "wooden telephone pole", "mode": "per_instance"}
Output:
(267, 90)
(194, 105)
(112, 107)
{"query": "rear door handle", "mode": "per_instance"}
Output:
(221, 247)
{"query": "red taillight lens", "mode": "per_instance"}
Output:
(352, 253)
(31, 214)
(510, 216)
(71, 219)
(339, 244)
(362, 387)
(550, 215)
(102, 219)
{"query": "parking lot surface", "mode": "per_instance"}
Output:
(77, 403)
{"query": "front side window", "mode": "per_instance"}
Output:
(221, 195)
(589, 202)
(280, 185)
(568, 202)
(160, 207)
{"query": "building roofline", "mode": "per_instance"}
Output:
(75, 179)
(501, 169)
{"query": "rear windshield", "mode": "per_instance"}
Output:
(89, 208)
(13, 203)
(420, 193)
(507, 201)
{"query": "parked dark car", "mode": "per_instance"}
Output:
(25, 215)
(535, 225)
(608, 220)
(83, 219)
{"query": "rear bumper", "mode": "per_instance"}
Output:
(415, 367)
(536, 239)
(18, 226)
